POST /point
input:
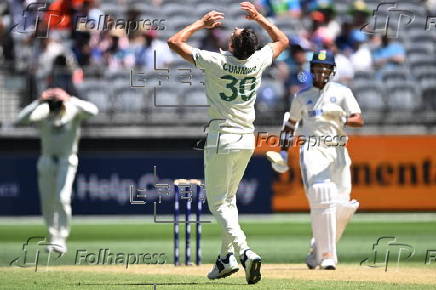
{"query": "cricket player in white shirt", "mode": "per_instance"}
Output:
(232, 78)
(318, 116)
(58, 116)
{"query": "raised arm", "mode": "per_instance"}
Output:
(35, 111)
(280, 40)
(85, 109)
(177, 42)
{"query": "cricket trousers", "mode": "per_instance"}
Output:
(327, 180)
(327, 163)
(223, 172)
(55, 180)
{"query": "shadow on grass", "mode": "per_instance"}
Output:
(157, 284)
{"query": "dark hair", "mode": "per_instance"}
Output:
(296, 48)
(244, 44)
(60, 60)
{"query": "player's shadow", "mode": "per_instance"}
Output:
(302, 268)
(160, 284)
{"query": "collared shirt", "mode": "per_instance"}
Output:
(307, 109)
(231, 86)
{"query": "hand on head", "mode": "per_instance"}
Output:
(46, 95)
(61, 95)
(55, 93)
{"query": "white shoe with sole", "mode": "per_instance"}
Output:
(58, 245)
(252, 263)
(223, 267)
(328, 264)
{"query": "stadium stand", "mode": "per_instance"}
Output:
(105, 61)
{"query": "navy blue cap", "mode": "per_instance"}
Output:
(323, 57)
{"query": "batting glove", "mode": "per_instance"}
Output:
(279, 161)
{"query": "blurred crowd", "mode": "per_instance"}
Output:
(354, 49)
(56, 49)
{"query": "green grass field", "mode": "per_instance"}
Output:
(280, 240)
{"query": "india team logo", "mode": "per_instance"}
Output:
(333, 99)
(322, 55)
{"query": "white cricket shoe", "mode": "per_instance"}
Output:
(58, 245)
(224, 267)
(311, 260)
(251, 262)
(328, 264)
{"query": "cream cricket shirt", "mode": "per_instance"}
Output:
(59, 135)
(231, 86)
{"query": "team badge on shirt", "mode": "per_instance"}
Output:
(302, 77)
(333, 99)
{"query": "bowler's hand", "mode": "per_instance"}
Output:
(211, 19)
(252, 13)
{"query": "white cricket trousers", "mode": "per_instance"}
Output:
(327, 181)
(55, 181)
(327, 163)
(223, 173)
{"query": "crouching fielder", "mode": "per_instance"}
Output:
(58, 116)
(321, 113)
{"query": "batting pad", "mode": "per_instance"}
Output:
(322, 198)
(344, 213)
